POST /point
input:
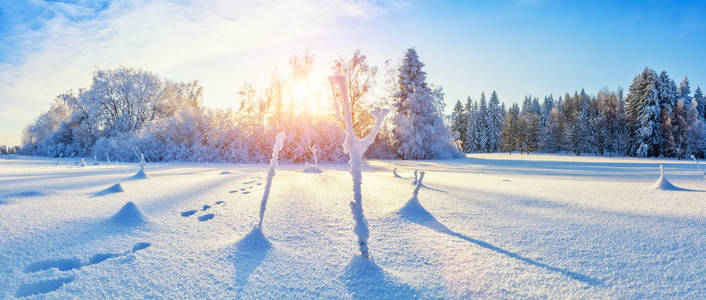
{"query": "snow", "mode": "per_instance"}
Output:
(486, 226)
(129, 215)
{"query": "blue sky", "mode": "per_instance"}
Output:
(515, 47)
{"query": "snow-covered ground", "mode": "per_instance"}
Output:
(491, 226)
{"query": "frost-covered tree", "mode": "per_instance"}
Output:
(420, 132)
(459, 121)
(644, 114)
(495, 122)
(355, 147)
(360, 79)
(481, 125)
(667, 97)
(700, 102)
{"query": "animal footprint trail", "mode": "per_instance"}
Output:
(205, 217)
(188, 213)
(43, 287)
(66, 264)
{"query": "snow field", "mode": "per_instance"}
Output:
(489, 226)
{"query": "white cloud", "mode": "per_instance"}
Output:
(183, 40)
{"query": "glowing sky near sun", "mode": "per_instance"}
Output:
(515, 47)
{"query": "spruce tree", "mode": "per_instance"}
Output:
(643, 114)
(496, 113)
(700, 103)
(420, 132)
(459, 122)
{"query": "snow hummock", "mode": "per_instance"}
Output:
(311, 169)
(139, 175)
(116, 188)
(129, 215)
(663, 184)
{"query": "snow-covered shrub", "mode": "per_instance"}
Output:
(355, 147)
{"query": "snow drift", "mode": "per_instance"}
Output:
(663, 183)
(129, 215)
(116, 188)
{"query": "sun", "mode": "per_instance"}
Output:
(308, 96)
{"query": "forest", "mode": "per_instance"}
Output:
(127, 111)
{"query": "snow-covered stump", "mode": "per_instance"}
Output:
(141, 173)
(313, 168)
(663, 184)
(355, 148)
(279, 143)
(699, 165)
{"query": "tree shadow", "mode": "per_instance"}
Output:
(366, 280)
(250, 251)
(416, 213)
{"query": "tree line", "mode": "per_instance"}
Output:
(127, 111)
(656, 118)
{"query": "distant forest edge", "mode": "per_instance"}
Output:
(126, 111)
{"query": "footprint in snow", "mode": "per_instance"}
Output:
(205, 207)
(188, 213)
(246, 192)
(233, 191)
(66, 264)
(219, 202)
(205, 217)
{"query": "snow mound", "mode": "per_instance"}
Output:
(116, 188)
(663, 183)
(413, 210)
(139, 175)
(312, 169)
(129, 215)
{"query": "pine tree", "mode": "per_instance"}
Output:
(700, 103)
(459, 124)
(496, 113)
(511, 137)
(472, 131)
(667, 95)
(643, 114)
(420, 132)
(482, 125)
(696, 134)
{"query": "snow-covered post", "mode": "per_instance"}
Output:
(107, 159)
(415, 177)
(142, 162)
(394, 172)
(698, 165)
(314, 150)
(83, 163)
(58, 161)
(355, 148)
(279, 142)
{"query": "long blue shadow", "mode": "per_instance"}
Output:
(414, 212)
(250, 251)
